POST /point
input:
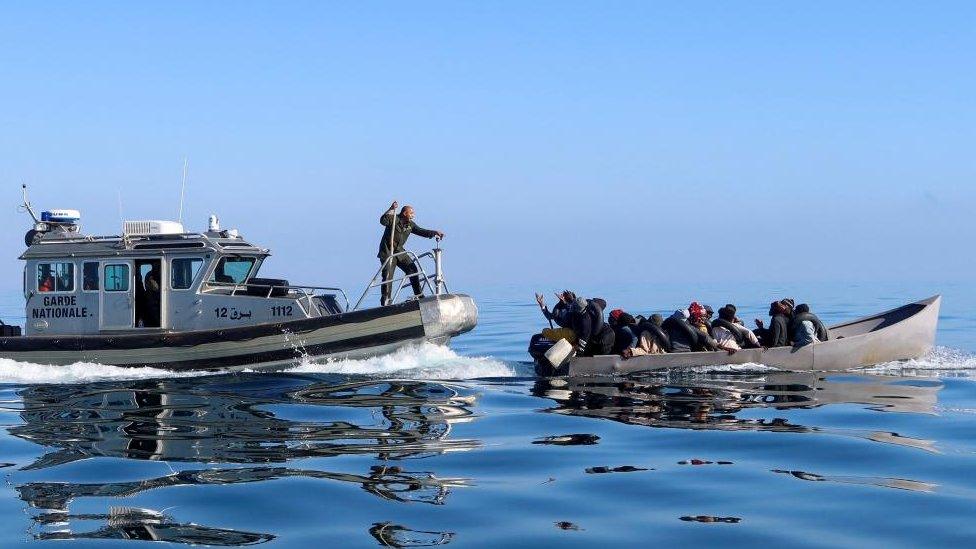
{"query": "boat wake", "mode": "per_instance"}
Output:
(26, 373)
(939, 360)
(426, 361)
(429, 361)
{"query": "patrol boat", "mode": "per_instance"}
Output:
(159, 296)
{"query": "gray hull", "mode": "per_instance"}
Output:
(899, 334)
(357, 334)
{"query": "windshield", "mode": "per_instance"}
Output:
(232, 270)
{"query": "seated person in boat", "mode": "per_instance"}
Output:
(398, 229)
(593, 335)
(699, 317)
(777, 335)
(652, 340)
(732, 334)
(561, 314)
(684, 337)
(806, 327)
(625, 334)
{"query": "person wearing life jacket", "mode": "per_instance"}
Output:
(729, 333)
(652, 340)
(625, 334)
(777, 335)
(806, 327)
(684, 336)
(593, 335)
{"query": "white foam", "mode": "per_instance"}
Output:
(427, 361)
(940, 359)
(15, 372)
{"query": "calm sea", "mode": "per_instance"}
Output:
(463, 447)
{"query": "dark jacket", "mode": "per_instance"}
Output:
(403, 230)
(659, 335)
(685, 337)
(561, 315)
(778, 333)
(624, 337)
(822, 333)
(594, 336)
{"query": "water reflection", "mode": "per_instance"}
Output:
(124, 523)
(247, 421)
(390, 483)
(394, 535)
(881, 482)
(243, 420)
(715, 402)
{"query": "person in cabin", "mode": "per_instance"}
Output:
(152, 296)
(398, 229)
(46, 284)
(729, 333)
(561, 314)
(806, 327)
(593, 335)
(777, 335)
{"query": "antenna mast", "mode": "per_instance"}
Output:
(183, 188)
(26, 206)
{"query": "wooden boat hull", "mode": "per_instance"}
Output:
(899, 334)
(355, 334)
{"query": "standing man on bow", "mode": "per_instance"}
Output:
(398, 228)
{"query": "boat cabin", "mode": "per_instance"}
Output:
(154, 277)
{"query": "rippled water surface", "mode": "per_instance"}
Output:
(463, 446)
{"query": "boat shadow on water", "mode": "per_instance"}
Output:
(722, 402)
(242, 423)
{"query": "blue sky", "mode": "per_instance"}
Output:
(560, 142)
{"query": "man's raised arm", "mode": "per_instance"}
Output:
(387, 218)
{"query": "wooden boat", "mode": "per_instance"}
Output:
(902, 333)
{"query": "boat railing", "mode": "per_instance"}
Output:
(306, 292)
(436, 286)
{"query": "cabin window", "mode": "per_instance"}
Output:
(89, 277)
(116, 278)
(232, 270)
(55, 277)
(185, 270)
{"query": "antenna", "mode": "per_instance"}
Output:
(183, 188)
(26, 206)
(118, 193)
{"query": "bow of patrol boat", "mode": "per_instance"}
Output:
(446, 316)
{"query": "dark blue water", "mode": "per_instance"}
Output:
(463, 447)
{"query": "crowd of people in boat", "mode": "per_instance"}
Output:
(582, 322)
